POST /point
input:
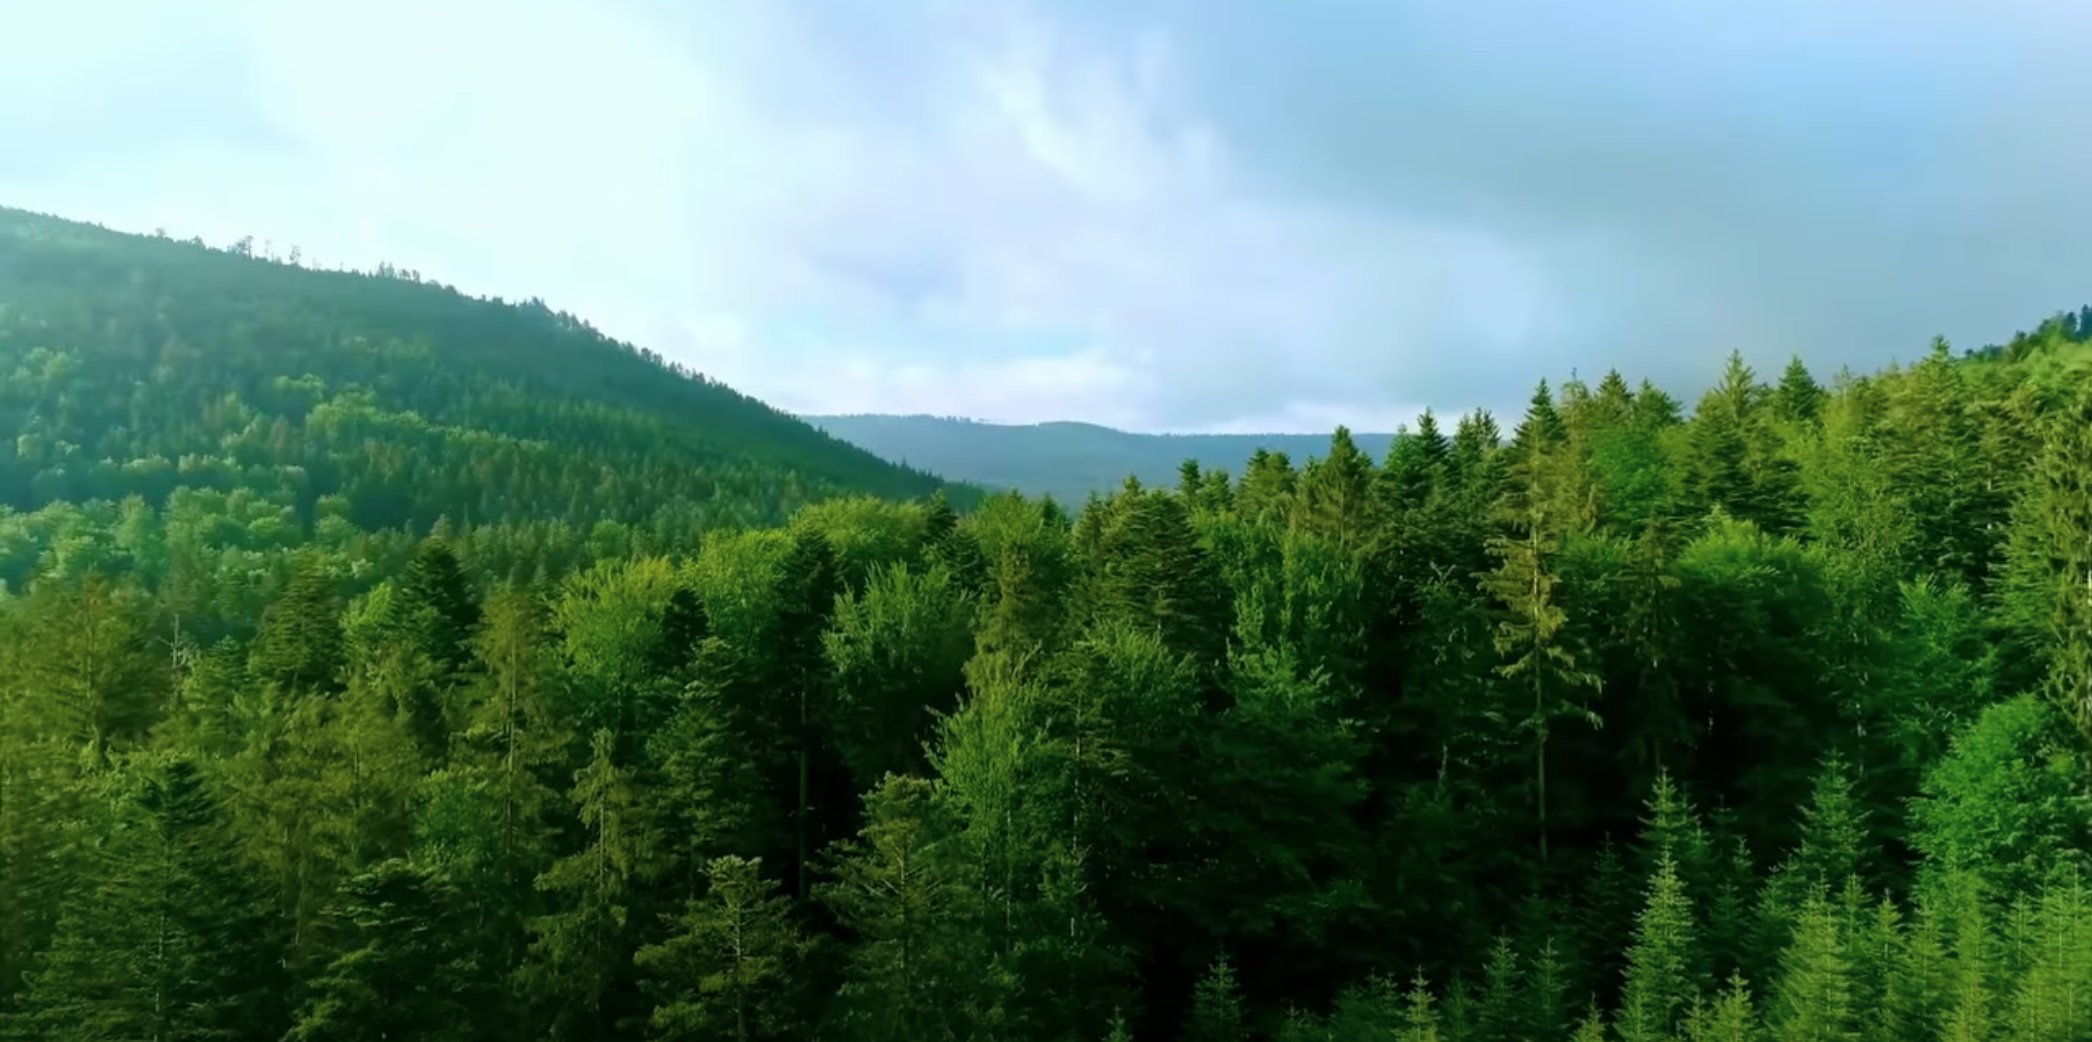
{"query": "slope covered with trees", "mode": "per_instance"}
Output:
(1067, 461)
(136, 365)
(1769, 723)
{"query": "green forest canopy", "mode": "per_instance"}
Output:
(457, 708)
(137, 365)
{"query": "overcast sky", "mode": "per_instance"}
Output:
(1154, 214)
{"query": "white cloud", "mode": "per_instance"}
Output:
(1157, 216)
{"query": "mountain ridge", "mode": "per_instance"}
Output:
(1066, 459)
(296, 377)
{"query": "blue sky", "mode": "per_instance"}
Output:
(1155, 214)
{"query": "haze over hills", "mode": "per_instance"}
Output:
(1066, 460)
(135, 364)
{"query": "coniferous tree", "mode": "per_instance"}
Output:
(436, 609)
(400, 971)
(1814, 997)
(582, 948)
(170, 940)
(727, 971)
(1798, 398)
(704, 794)
(2064, 511)
(1216, 1007)
(1659, 984)
(1540, 657)
(1504, 1012)
(903, 887)
(299, 648)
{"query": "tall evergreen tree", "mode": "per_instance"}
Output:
(903, 887)
(400, 971)
(171, 940)
(727, 971)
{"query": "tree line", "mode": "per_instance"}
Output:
(1766, 720)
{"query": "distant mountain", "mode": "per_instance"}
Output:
(133, 365)
(1066, 460)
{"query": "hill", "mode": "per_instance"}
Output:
(1065, 460)
(135, 364)
(1764, 719)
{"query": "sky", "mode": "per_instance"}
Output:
(1189, 215)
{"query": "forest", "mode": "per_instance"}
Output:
(377, 663)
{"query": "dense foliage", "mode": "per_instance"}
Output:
(135, 365)
(1770, 723)
(1065, 460)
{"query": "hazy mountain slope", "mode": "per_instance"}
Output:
(1065, 460)
(133, 364)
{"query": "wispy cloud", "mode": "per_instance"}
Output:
(1160, 215)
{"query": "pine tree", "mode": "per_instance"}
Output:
(85, 679)
(582, 949)
(1546, 1009)
(2053, 1002)
(514, 735)
(2064, 512)
(1672, 829)
(1156, 575)
(435, 608)
(1505, 1009)
(1420, 1021)
(1540, 656)
(903, 888)
(1971, 994)
(727, 970)
(1834, 837)
(170, 940)
(703, 791)
(1659, 983)
(939, 519)
(1119, 1032)
(1798, 398)
(1729, 1018)
(1814, 1000)
(400, 971)
(1415, 468)
(1335, 499)
(299, 648)
(1216, 1006)
(1069, 968)
(1881, 973)
(810, 588)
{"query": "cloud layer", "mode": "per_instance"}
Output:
(1152, 214)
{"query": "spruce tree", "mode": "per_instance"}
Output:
(1540, 657)
(435, 608)
(1504, 1011)
(727, 970)
(904, 888)
(170, 940)
(1659, 983)
(1731, 1017)
(400, 970)
(299, 648)
(1813, 1002)
(2064, 487)
(1420, 1020)
(581, 953)
(1216, 1006)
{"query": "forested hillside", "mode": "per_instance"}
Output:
(1766, 723)
(138, 365)
(1067, 461)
